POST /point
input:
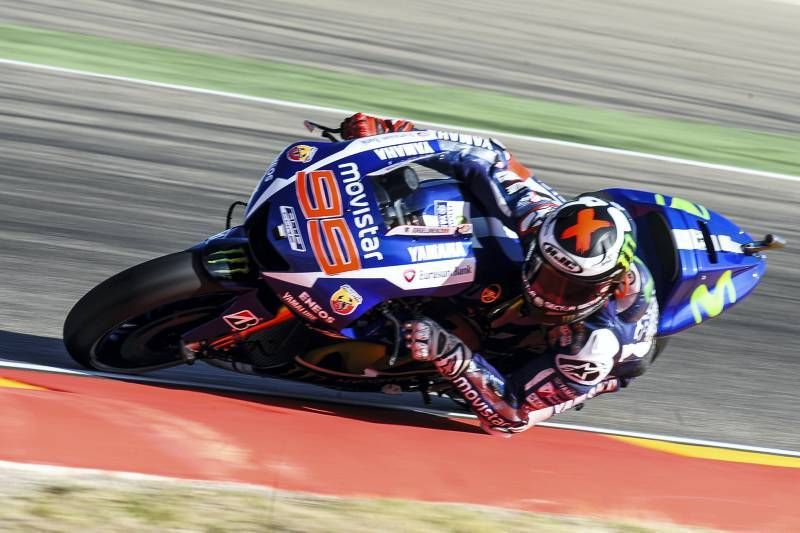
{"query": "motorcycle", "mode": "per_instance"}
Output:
(342, 241)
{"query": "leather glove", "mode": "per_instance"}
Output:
(429, 342)
(361, 125)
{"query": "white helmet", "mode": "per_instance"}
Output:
(583, 249)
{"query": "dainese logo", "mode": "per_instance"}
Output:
(301, 153)
(345, 300)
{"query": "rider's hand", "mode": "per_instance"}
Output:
(361, 125)
(429, 342)
(419, 336)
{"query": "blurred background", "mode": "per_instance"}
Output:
(98, 174)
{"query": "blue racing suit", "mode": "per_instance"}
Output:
(596, 355)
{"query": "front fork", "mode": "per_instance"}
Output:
(242, 319)
(226, 258)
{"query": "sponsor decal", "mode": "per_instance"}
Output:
(306, 307)
(564, 390)
(441, 250)
(270, 172)
(454, 363)
(401, 276)
(540, 302)
(516, 187)
(228, 263)
(345, 300)
(491, 293)
(395, 137)
(562, 259)
(301, 153)
(579, 370)
(572, 336)
(451, 213)
(362, 213)
(713, 302)
(333, 243)
(684, 205)
(647, 326)
(473, 140)
(535, 402)
(610, 385)
(479, 405)
(451, 274)
(507, 177)
(430, 231)
(292, 229)
(627, 251)
(241, 320)
(692, 239)
(590, 365)
(404, 150)
(547, 390)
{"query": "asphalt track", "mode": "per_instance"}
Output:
(728, 61)
(99, 175)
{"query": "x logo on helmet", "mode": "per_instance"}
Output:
(583, 229)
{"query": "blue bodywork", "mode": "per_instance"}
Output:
(695, 254)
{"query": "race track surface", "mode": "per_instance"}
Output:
(727, 61)
(349, 451)
(99, 175)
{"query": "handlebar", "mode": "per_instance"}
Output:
(328, 133)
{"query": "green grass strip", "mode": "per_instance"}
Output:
(38, 502)
(435, 103)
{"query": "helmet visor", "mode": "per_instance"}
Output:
(556, 294)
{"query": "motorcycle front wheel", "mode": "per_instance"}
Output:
(133, 321)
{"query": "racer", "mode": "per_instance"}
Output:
(580, 279)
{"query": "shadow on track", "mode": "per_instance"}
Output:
(373, 415)
(49, 351)
(25, 348)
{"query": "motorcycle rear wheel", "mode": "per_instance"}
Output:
(132, 322)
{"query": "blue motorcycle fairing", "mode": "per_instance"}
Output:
(695, 255)
(323, 218)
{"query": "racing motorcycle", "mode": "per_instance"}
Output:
(343, 241)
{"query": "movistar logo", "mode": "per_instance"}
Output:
(627, 251)
(713, 302)
(229, 262)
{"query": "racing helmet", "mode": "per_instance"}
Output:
(581, 253)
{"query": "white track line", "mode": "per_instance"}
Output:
(42, 368)
(362, 403)
(310, 107)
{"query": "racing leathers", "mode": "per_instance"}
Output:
(599, 354)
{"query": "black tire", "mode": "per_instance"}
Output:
(126, 323)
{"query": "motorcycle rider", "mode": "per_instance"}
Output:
(580, 279)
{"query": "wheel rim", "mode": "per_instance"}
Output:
(152, 341)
